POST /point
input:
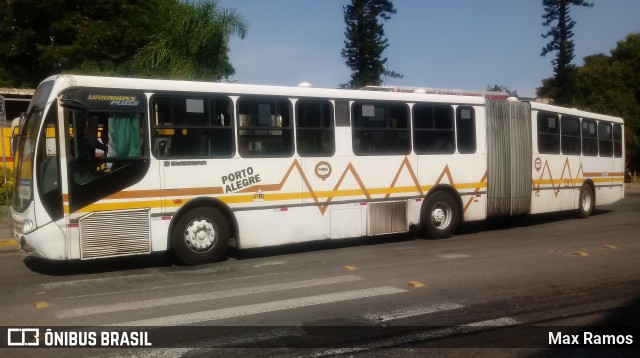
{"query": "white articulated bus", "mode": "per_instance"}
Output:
(110, 167)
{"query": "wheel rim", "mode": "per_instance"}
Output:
(200, 235)
(586, 200)
(441, 215)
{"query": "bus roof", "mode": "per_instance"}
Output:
(153, 85)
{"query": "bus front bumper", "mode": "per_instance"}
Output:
(46, 242)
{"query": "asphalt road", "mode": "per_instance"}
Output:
(495, 288)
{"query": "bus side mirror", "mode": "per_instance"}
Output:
(72, 104)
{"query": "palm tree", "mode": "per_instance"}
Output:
(192, 44)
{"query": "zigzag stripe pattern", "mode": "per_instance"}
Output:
(446, 172)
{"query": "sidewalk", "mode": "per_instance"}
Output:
(9, 243)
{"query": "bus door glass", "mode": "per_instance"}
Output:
(106, 144)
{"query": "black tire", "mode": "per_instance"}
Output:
(200, 236)
(586, 201)
(440, 215)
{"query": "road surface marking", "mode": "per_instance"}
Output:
(453, 256)
(498, 322)
(419, 337)
(90, 281)
(167, 301)
(164, 287)
(412, 311)
(41, 304)
(273, 306)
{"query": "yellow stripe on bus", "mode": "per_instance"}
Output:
(234, 199)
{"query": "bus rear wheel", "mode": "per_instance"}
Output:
(200, 236)
(585, 201)
(440, 215)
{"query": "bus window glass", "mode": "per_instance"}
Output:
(466, 129)
(314, 131)
(570, 128)
(548, 133)
(380, 129)
(589, 138)
(433, 130)
(605, 139)
(48, 167)
(264, 128)
(192, 127)
(617, 140)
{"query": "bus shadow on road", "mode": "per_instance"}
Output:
(79, 267)
(167, 260)
(319, 245)
(511, 222)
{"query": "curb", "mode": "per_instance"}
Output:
(8, 245)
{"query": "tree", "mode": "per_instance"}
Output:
(561, 25)
(502, 88)
(365, 42)
(610, 84)
(41, 38)
(192, 44)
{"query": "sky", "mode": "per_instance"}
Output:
(457, 44)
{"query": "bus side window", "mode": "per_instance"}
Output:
(264, 127)
(589, 137)
(192, 126)
(466, 129)
(314, 128)
(548, 133)
(617, 140)
(380, 129)
(570, 129)
(433, 129)
(605, 139)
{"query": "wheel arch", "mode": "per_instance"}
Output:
(205, 202)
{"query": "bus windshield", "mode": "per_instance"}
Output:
(25, 149)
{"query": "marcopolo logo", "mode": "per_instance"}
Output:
(23, 337)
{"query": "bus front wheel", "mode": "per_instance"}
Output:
(200, 236)
(585, 201)
(440, 215)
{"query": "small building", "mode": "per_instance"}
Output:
(16, 101)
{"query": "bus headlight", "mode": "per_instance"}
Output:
(27, 226)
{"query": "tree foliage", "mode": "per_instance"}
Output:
(610, 84)
(502, 88)
(365, 41)
(41, 38)
(557, 18)
(192, 43)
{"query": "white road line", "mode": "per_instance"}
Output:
(164, 287)
(219, 342)
(90, 281)
(453, 256)
(412, 311)
(166, 301)
(498, 322)
(272, 306)
(419, 337)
